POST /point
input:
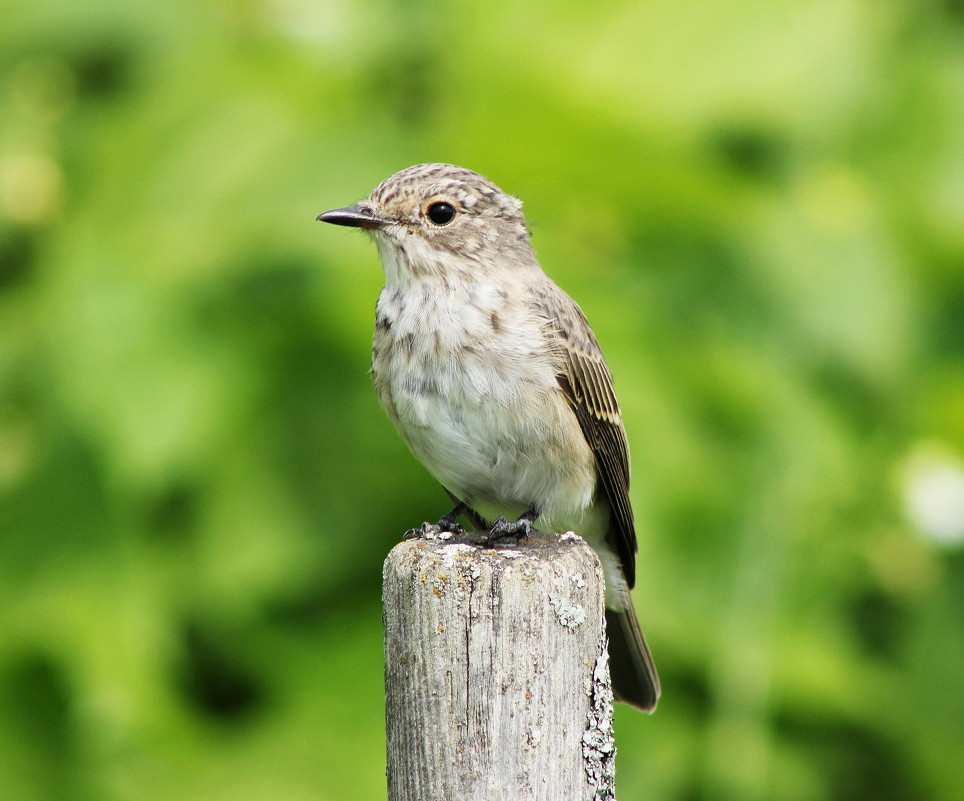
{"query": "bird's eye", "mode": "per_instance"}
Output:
(441, 213)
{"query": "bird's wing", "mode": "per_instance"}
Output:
(587, 384)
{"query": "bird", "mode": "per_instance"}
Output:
(494, 379)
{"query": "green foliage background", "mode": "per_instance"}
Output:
(758, 203)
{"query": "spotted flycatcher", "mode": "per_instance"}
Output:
(494, 379)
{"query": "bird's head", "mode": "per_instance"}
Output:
(436, 218)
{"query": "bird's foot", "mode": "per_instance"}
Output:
(519, 529)
(443, 530)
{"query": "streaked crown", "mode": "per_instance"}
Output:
(423, 182)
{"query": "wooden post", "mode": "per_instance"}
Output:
(496, 672)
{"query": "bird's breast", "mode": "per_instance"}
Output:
(466, 376)
(472, 346)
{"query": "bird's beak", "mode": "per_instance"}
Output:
(357, 216)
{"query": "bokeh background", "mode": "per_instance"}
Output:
(758, 203)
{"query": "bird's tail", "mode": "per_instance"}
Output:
(630, 664)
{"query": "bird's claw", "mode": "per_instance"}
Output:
(518, 529)
(446, 527)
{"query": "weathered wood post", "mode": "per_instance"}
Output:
(496, 672)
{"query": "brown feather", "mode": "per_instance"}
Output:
(587, 384)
